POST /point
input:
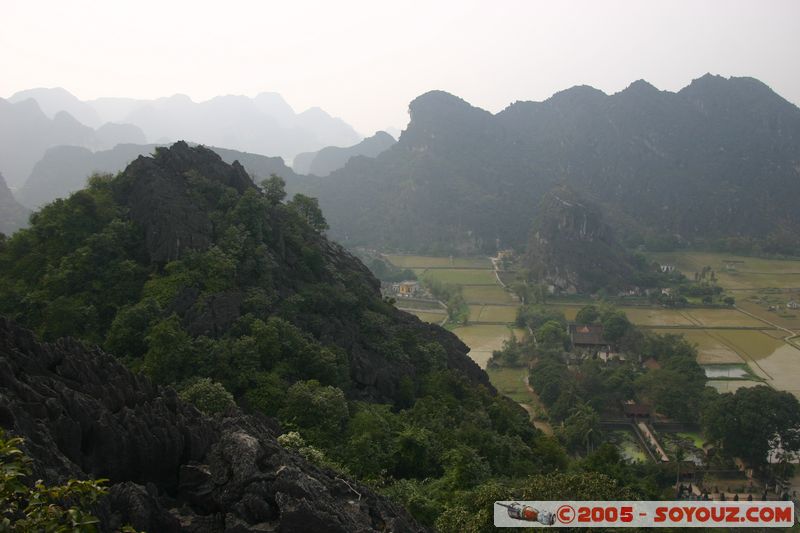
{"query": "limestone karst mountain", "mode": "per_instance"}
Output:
(700, 165)
(332, 158)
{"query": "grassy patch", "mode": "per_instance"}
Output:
(456, 276)
(487, 295)
(433, 318)
(423, 261)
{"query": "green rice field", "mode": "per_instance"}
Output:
(648, 316)
(420, 261)
(744, 272)
(427, 316)
(722, 318)
(711, 349)
(461, 276)
(487, 295)
(483, 339)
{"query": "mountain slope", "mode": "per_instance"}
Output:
(572, 249)
(333, 158)
(702, 164)
(170, 468)
(13, 216)
(187, 272)
(26, 133)
(52, 101)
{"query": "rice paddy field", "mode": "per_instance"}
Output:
(711, 349)
(648, 316)
(461, 276)
(759, 304)
(736, 272)
(423, 262)
(488, 295)
(428, 316)
(722, 318)
(750, 335)
(511, 382)
(483, 339)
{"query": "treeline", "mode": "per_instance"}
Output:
(577, 391)
(452, 296)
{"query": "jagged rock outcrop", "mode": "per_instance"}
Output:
(162, 205)
(83, 414)
(572, 249)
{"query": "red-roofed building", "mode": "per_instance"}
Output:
(588, 336)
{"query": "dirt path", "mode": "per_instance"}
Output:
(791, 340)
(542, 425)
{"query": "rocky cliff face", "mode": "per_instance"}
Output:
(573, 249)
(701, 164)
(82, 414)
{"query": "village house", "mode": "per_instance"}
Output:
(408, 289)
(667, 269)
(793, 304)
(588, 337)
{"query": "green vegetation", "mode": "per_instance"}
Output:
(452, 296)
(752, 421)
(207, 395)
(461, 276)
(267, 313)
(63, 508)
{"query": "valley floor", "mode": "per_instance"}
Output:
(757, 341)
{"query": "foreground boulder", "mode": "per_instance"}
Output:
(171, 468)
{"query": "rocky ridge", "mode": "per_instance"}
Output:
(83, 414)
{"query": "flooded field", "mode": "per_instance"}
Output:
(783, 368)
(483, 339)
(725, 371)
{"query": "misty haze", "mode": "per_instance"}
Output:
(430, 267)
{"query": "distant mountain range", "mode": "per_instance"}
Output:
(64, 169)
(13, 216)
(718, 159)
(265, 124)
(333, 158)
(26, 132)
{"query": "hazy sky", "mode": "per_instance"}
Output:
(365, 60)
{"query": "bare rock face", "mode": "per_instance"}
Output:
(159, 198)
(572, 249)
(82, 414)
